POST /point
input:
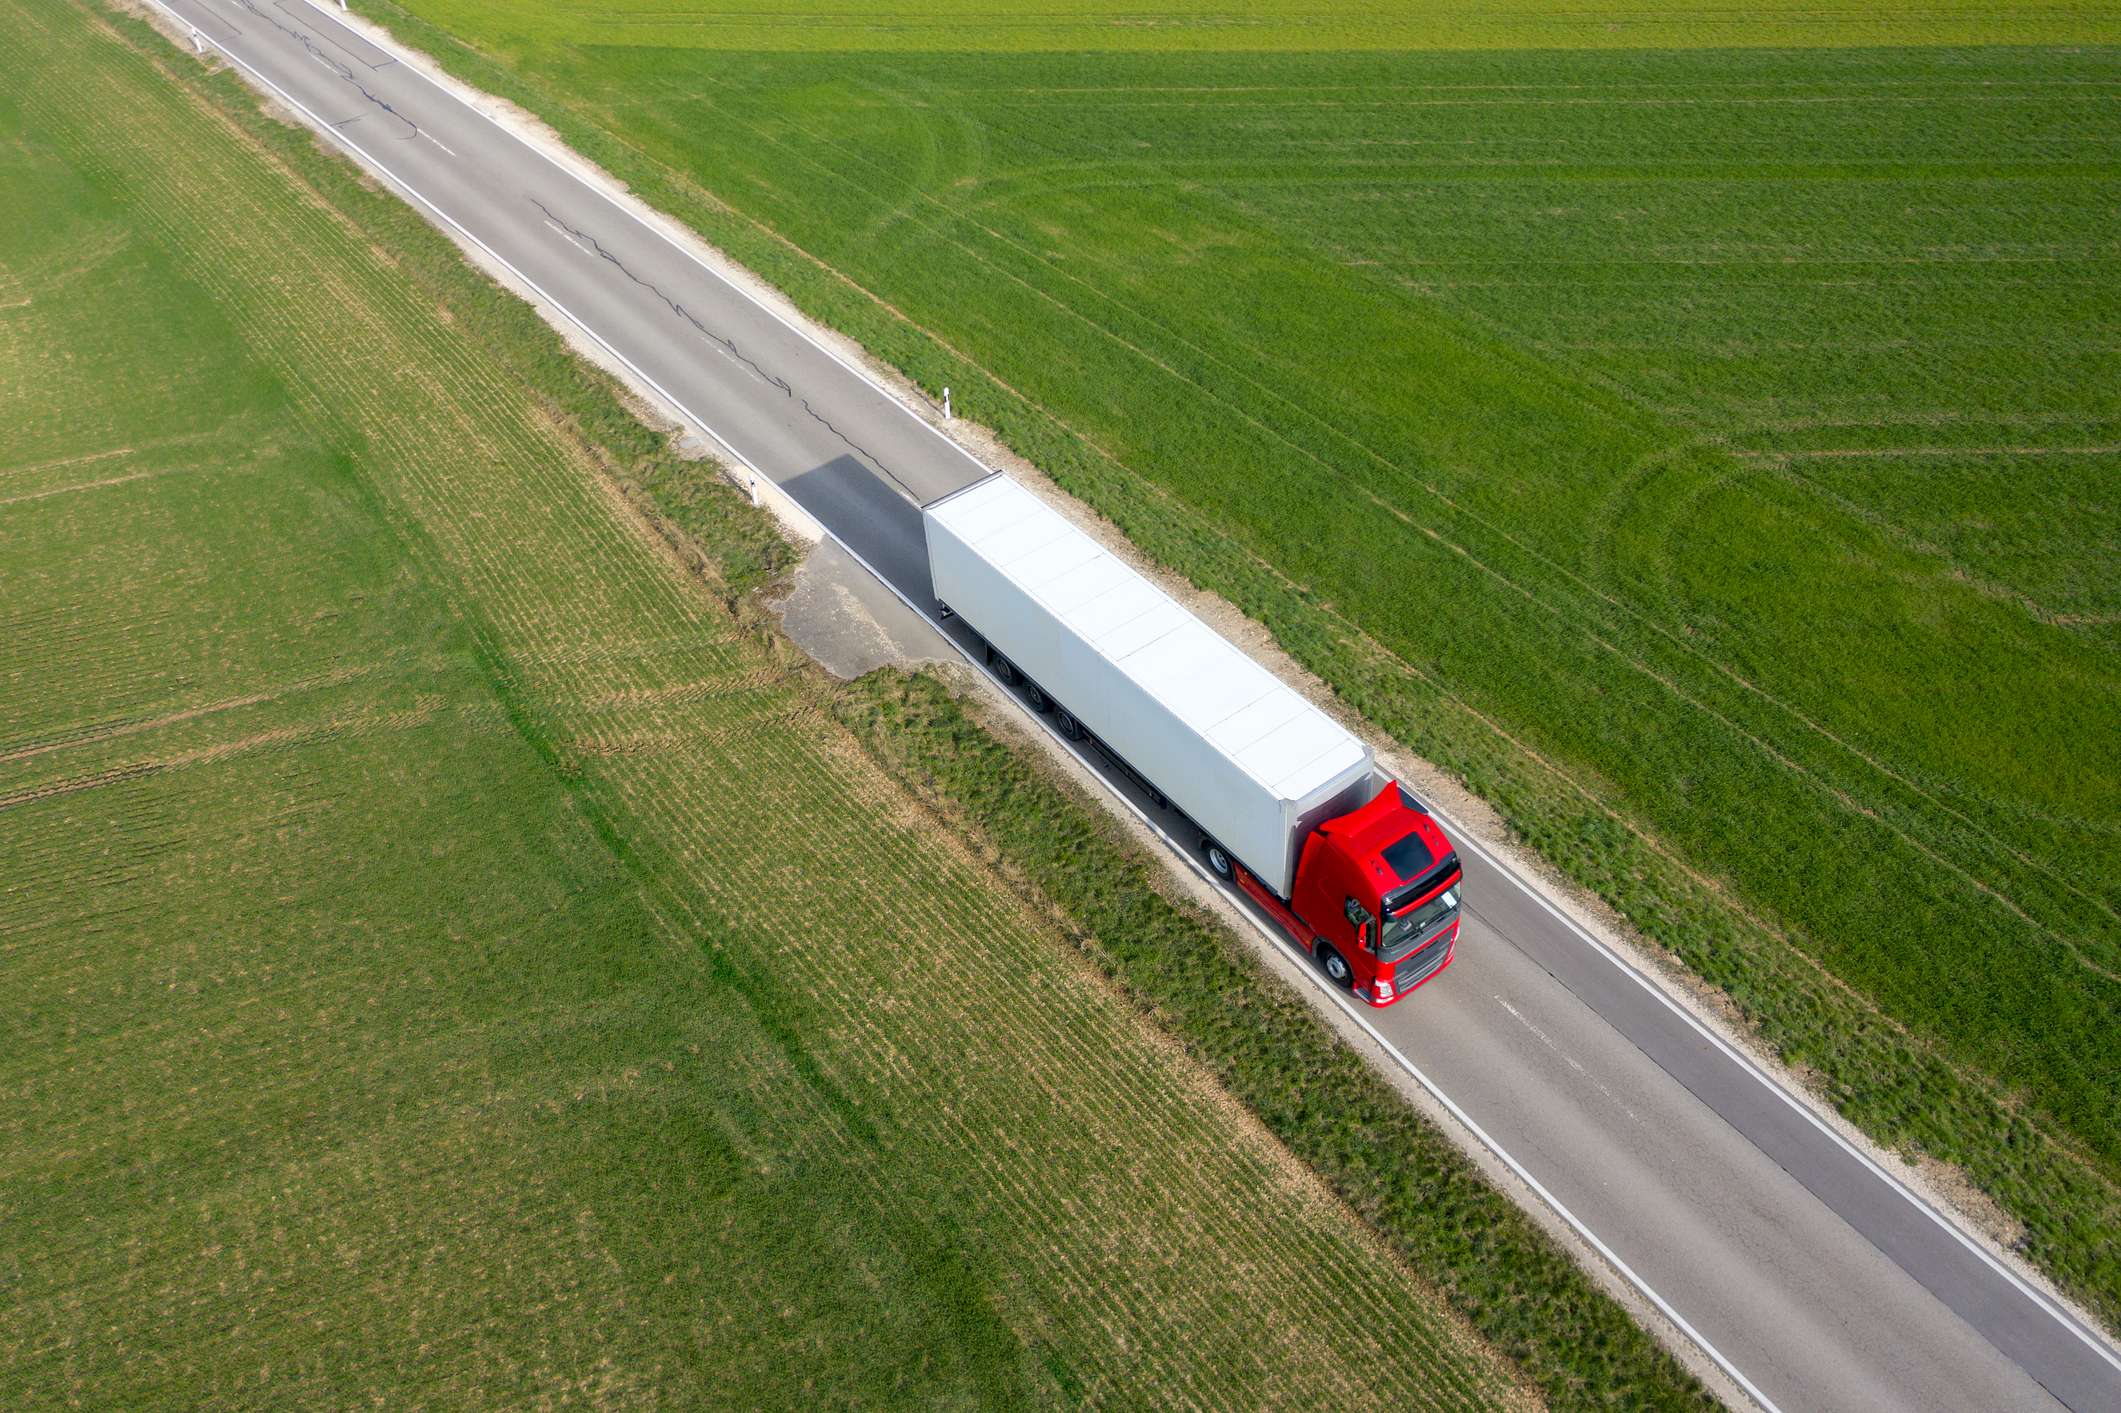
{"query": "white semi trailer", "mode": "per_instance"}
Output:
(1289, 802)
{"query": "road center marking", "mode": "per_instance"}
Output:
(1566, 1058)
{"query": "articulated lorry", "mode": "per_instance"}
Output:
(1290, 806)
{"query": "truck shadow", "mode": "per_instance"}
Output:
(870, 518)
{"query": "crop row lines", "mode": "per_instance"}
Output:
(485, 583)
(809, 809)
(988, 932)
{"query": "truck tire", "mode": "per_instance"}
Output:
(1334, 965)
(1065, 723)
(1009, 675)
(1036, 695)
(1219, 861)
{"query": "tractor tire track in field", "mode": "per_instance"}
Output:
(939, 229)
(1353, 633)
(89, 734)
(1546, 603)
(275, 738)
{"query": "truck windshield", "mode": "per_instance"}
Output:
(1400, 933)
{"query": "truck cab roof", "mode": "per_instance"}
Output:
(1395, 842)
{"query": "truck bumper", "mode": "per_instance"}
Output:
(1450, 954)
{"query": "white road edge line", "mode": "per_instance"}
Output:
(1737, 1057)
(2098, 1346)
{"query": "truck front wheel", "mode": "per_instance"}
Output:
(1224, 868)
(1334, 965)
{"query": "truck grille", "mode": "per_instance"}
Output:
(1417, 968)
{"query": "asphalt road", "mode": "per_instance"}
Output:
(1810, 1274)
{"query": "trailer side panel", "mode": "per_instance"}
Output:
(1245, 756)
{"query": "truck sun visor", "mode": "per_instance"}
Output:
(1410, 857)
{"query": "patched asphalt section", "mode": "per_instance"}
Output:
(850, 624)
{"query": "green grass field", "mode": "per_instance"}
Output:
(1698, 432)
(440, 949)
(1273, 26)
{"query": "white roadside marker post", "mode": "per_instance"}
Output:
(946, 404)
(198, 42)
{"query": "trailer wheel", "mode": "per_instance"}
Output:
(1065, 723)
(1334, 965)
(1225, 868)
(1036, 695)
(1007, 669)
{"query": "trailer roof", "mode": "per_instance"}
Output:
(1274, 735)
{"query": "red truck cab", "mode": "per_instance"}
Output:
(1376, 897)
